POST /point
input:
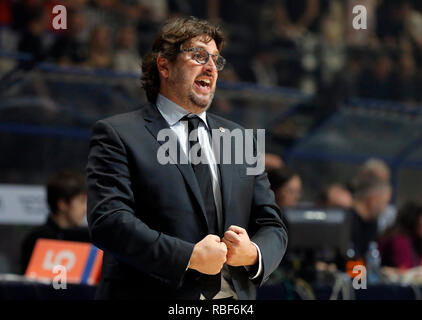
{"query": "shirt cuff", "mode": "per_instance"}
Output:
(248, 268)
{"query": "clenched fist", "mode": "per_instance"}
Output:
(240, 250)
(209, 255)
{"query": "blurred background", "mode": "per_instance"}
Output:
(342, 109)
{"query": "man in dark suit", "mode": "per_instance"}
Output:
(182, 230)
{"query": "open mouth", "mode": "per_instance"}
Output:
(204, 85)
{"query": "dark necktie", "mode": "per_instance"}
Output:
(212, 283)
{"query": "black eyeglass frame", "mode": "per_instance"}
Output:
(215, 57)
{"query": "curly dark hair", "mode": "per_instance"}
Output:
(171, 36)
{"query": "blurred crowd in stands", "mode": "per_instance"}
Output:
(306, 44)
(366, 198)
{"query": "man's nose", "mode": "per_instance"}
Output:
(210, 66)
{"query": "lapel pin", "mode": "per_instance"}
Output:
(222, 129)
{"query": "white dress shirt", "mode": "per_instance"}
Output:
(173, 113)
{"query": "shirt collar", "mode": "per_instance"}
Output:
(172, 112)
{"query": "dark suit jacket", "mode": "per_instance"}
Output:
(147, 217)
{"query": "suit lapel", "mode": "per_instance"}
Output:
(154, 123)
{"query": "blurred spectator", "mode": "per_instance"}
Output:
(156, 11)
(370, 199)
(377, 82)
(391, 21)
(8, 38)
(228, 74)
(353, 69)
(360, 38)
(5, 12)
(74, 4)
(287, 186)
(188, 7)
(309, 43)
(333, 50)
(414, 25)
(23, 11)
(32, 41)
(376, 169)
(335, 196)
(405, 88)
(295, 26)
(130, 10)
(273, 161)
(100, 51)
(66, 197)
(295, 17)
(126, 57)
(263, 69)
(401, 246)
(72, 46)
(104, 13)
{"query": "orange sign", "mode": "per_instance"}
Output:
(351, 264)
(81, 261)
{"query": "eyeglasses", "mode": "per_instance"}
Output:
(201, 56)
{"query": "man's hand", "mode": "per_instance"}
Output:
(240, 249)
(208, 255)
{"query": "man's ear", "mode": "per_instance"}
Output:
(163, 66)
